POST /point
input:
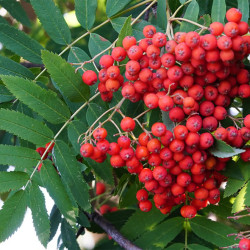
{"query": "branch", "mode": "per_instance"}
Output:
(111, 230)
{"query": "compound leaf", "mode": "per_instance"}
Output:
(12, 180)
(212, 231)
(25, 127)
(42, 101)
(12, 214)
(39, 213)
(69, 82)
(52, 20)
(71, 173)
(191, 14)
(218, 12)
(114, 6)
(85, 12)
(53, 183)
(20, 43)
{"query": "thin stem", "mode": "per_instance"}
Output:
(148, 7)
(180, 8)
(118, 129)
(143, 113)
(186, 234)
(132, 8)
(189, 21)
(169, 25)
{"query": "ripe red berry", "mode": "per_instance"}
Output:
(87, 150)
(188, 211)
(128, 41)
(233, 15)
(145, 206)
(158, 129)
(206, 140)
(159, 173)
(216, 28)
(244, 244)
(106, 61)
(127, 124)
(89, 77)
(116, 161)
(142, 195)
(119, 54)
(183, 179)
(149, 31)
(100, 188)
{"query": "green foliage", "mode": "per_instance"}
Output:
(68, 236)
(42, 101)
(218, 11)
(162, 14)
(18, 156)
(12, 180)
(69, 83)
(53, 183)
(243, 6)
(55, 219)
(126, 30)
(85, 12)
(20, 43)
(25, 127)
(71, 173)
(10, 67)
(233, 185)
(114, 6)
(223, 150)
(162, 234)
(166, 120)
(12, 213)
(212, 231)
(191, 13)
(52, 21)
(39, 213)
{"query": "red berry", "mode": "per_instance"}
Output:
(89, 77)
(87, 150)
(233, 15)
(100, 188)
(145, 206)
(127, 124)
(142, 195)
(244, 244)
(188, 211)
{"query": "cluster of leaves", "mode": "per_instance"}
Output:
(37, 107)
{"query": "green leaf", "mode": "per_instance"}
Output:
(55, 219)
(230, 170)
(12, 180)
(166, 120)
(233, 186)
(176, 246)
(223, 150)
(162, 14)
(162, 234)
(12, 214)
(85, 12)
(246, 106)
(191, 14)
(68, 236)
(83, 220)
(39, 214)
(212, 231)
(75, 129)
(141, 222)
(10, 67)
(114, 6)
(77, 55)
(242, 199)
(18, 156)
(69, 82)
(218, 12)
(197, 247)
(53, 183)
(16, 10)
(5, 95)
(52, 21)
(243, 6)
(71, 173)
(97, 44)
(137, 28)
(42, 101)
(20, 43)
(25, 127)
(125, 31)
(102, 170)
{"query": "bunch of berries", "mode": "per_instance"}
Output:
(194, 78)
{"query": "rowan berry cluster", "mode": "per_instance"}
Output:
(194, 78)
(41, 151)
